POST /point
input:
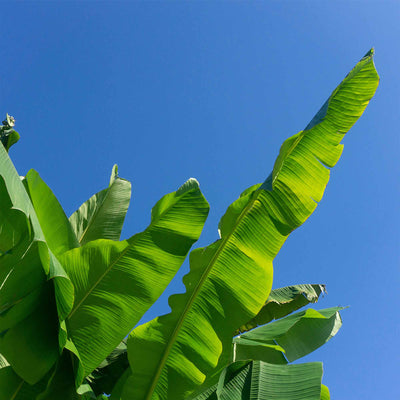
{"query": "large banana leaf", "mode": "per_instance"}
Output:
(28, 315)
(116, 282)
(289, 338)
(256, 380)
(230, 280)
(21, 201)
(283, 301)
(54, 223)
(102, 216)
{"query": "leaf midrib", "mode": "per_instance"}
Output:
(193, 297)
(96, 212)
(17, 390)
(154, 222)
(349, 76)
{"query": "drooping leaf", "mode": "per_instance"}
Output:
(54, 223)
(102, 216)
(256, 380)
(284, 301)
(116, 282)
(289, 338)
(28, 317)
(230, 280)
(32, 282)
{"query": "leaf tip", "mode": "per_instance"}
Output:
(114, 174)
(190, 184)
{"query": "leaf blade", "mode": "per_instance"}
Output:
(135, 271)
(256, 380)
(103, 215)
(252, 232)
(296, 336)
(283, 301)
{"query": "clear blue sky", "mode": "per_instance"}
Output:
(172, 90)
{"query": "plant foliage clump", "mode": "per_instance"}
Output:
(71, 291)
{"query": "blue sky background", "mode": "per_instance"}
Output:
(172, 90)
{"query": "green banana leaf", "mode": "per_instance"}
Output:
(8, 136)
(325, 395)
(12, 387)
(230, 280)
(104, 378)
(289, 338)
(54, 223)
(20, 200)
(118, 388)
(27, 305)
(282, 302)
(28, 315)
(61, 384)
(116, 282)
(102, 216)
(256, 380)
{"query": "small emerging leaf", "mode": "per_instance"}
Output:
(102, 216)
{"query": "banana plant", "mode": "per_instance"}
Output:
(66, 332)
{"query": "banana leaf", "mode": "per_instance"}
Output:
(104, 378)
(28, 314)
(284, 301)
(289, 338)
(31, 309)
(325, 395)
(61, 384)
(20, 200)
(102, 216)
(12, 387)
(256, 380)
(54, 223)
(116, 282)
(230, 280)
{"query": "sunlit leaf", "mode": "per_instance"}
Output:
(230, 280)
(289, 338)
(284, 301)
(116, 282)
(256, 380)
(102, 216)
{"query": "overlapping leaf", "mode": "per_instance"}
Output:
(116, 282)
(54, 223)
(289, 338)
(230, 280)
(102, 216)
(256, 380)
(283, 301)
(28, 315)
(105, 377)
(21, 201)
(12, 387)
